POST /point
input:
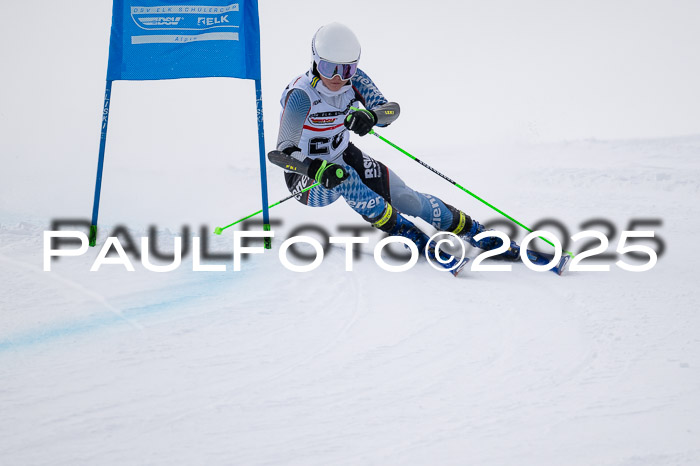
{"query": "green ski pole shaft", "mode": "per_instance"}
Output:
(219, 230)
(461, 187)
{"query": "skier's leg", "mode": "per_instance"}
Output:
(315, 197)
(426, 206)
(387, 185)
(444, 216)
(467, 228)
(377, 210)
(382, 180)
(363, 200)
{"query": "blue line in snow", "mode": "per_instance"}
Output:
(108, 319)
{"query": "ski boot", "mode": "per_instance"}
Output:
(467, 228)
(395, 224)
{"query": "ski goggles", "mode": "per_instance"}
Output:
(328, 69)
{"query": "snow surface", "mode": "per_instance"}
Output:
(267, 366)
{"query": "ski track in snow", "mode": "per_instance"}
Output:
(266, 366)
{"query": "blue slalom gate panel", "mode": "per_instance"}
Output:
(166, 39)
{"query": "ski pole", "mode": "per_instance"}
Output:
(219, 230)
(461, 187)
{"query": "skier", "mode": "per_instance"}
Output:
(318, 113)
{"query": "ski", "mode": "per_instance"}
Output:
(538, 258)
(543, 258)
(453, 264)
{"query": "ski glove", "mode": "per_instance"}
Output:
(329, 175)
(361, 121)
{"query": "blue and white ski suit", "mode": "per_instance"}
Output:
(312, 120)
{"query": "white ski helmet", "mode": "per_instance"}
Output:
(335, 43)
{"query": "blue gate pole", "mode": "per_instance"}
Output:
(100, 163)
(263, 168)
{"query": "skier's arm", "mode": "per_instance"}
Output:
(386, 113)
(329, 175)
(382, 111)
(296, 109)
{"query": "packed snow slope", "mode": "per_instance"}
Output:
(268, 366)
(572, 113)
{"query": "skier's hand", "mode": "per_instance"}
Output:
(329, 175)
(361, 121)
